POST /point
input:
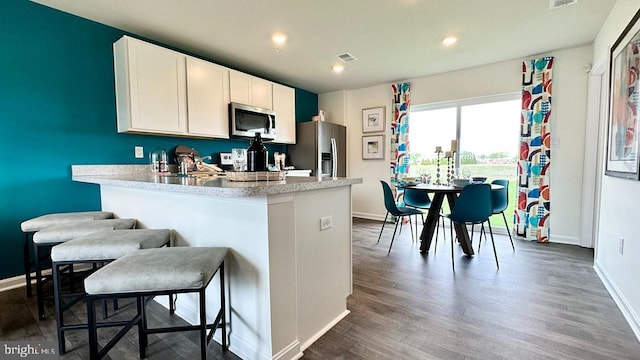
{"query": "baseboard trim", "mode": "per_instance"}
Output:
(12, 283)
(322, 331)
(290, 352)
(627, 311)
(367, 216)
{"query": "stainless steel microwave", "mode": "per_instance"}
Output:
(247, 120)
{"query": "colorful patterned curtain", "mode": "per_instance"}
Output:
(533, 204)
(399, 143)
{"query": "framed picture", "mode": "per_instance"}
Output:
(373, 119)
(373, 147)
(624, 104)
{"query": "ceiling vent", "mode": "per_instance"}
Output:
(346, 57)
(554, 4)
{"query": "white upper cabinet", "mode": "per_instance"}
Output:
(150, 91)
(250, 90)
(164, 92)
(284, 104)
(207, 99)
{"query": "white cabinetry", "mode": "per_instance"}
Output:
(164, 92)
(207, 99)
(251, 90)
(150, 92)
(284, 104)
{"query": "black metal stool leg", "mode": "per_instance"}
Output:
(27, 263)
(39, 285)
(225, 346)
(203, 325)
(142, 327)
(57, 296)
(93, 331)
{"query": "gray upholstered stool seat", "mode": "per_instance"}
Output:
(164, 269)
(42, 222)
(96, 248)
(153, 272)
(109, 244)
(48, 220)
(64, 232)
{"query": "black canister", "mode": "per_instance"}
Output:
(257, 155)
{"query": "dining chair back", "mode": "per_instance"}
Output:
(397, 211)
(473, 206)
(417, 199)
(500, 198)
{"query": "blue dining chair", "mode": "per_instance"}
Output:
(398, 211)
(500, 200)
(420, 200)
(473, 206)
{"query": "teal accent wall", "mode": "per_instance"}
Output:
(57, 108)
(306, 105)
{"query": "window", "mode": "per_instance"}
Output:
(487, 133)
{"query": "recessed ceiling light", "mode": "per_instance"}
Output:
(279, 38)
(449, 40)
(338, 68)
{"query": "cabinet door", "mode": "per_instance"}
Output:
(157, 96)
(261, 93)
(240, 87)
(284, 104)
(250, 90)
(207, 99)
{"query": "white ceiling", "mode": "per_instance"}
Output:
(392, 39)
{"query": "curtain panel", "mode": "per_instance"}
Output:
(399, 142)
(533, 205)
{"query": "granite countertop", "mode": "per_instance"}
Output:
(139, 177)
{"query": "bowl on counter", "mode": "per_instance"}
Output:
(479, 179)
(461, 182)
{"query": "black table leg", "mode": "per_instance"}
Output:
(431, 223)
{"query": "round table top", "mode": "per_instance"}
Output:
(442, 188)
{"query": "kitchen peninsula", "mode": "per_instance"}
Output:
(288, 278)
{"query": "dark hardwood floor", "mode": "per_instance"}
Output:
(545, 302)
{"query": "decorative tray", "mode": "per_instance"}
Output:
(255, 175)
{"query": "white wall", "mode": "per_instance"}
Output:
(334, 105)
(618, 210)
(568, 119)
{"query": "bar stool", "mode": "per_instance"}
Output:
(95, 249)
(31, 226)
(57, 234)
(154, 272)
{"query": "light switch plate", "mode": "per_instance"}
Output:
(225, 159)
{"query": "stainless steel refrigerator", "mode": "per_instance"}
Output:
(320, 147)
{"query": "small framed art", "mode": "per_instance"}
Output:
(373, 147)
(373, 119)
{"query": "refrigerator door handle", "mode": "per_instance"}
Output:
(334, 158)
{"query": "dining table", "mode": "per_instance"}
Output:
(433, 215)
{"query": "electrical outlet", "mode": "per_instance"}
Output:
(138, 152)
(326, 222)
(621, 246)
(225, 159)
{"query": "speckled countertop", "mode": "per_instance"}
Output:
(139, 177)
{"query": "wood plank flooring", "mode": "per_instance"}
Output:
(545, 302)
